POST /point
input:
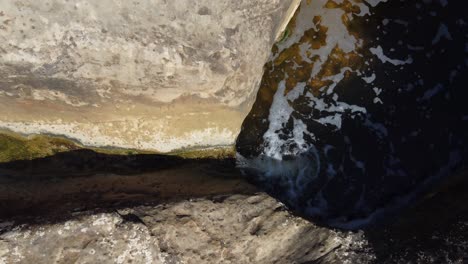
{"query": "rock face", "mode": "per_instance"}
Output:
(87, 207)
(149, 74)
(361, 108)
(241, 229)
(235, 229)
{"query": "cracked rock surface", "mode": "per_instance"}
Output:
(149, 74)
(86, 207)
(236, 229)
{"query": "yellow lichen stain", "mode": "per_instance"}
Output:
(14, 146)
(346, 6)
(226, 152)
(291, 66)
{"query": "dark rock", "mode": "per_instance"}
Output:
(361, 108)
(202, 216)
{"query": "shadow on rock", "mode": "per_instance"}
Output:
(85, 180)
(433, 231)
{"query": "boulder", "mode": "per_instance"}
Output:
(150, 74)
(361, 108)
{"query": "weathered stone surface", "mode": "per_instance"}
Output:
(235, 229)
(85, 207)
(239, 229)
(149, 74)
(361, 107)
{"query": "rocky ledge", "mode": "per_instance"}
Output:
(159, 209)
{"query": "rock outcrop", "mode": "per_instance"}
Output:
(87, 207)
(156, 75)
(361, 108)
(233, 228)
(360, 111)
(240, 229)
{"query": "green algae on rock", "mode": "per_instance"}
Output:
(14, 146)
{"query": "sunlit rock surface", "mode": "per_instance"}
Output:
(240, 229)
(149, 74)
(362, 106)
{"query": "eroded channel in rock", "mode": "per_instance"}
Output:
(360, 111)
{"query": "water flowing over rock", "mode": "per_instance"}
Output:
(361, 108)
(149, 74)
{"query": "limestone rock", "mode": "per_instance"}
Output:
(241, 229)
(84, 207)
(361, 108)
(237, 229)
(158, 75)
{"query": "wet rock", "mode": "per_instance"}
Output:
(361, 108)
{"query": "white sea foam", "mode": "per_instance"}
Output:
(280, 111)
(378, 51)
(288, 158)
(369, 79)
(294, 173)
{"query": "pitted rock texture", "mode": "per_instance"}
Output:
(86, 207)
(238, 229)
(149, 74)
(235, 229)
(361, 108)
